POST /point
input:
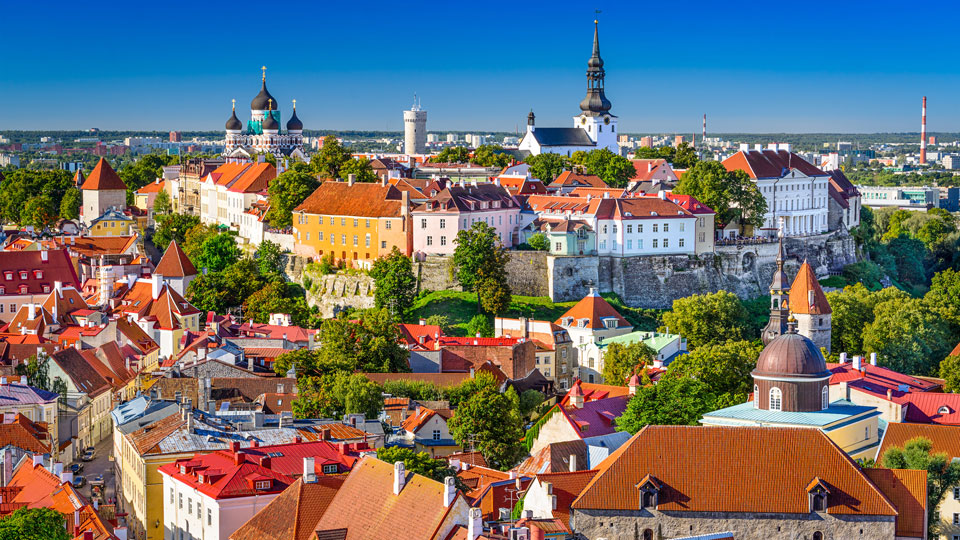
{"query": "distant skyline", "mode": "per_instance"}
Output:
(838, 67)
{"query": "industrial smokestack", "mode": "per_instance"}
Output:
(704, 136)
(923, 132)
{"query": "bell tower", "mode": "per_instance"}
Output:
(779, 298)
(595, 117)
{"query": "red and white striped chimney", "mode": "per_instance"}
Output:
(704, 127)
(923, 132)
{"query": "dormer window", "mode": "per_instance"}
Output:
(818, 493)
(23, 274)
(23, 289)
(8, 275)
(38, 274)
(262, 485)
(943, 410)
(649, 488)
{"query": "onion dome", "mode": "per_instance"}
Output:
(595, 103)
(269, 122)
(263, 99)
(294, 124)
(531, 118)
(234, 124)
(791, 355)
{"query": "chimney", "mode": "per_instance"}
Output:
(449, 491)
(309, 471)
(38, 460)
(58, 286)
(7, 467)
(234, 446)
(873, 359)
(32, 313)
(856, 363)
(351, 179)
(324, 434)
(662, 194)
(190, 422)
(475, 524)
(649, 166)
(237, 458)
(265, 462)
(44, 255)
(889, 394)
(573, 463)
(423, 321)
(843, 358)
(120, 533)
(399, 477)
(156, 281)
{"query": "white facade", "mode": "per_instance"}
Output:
(589, 356)
(220, 206)
(415, 131)
(800, 201)
(647, 236)
(191, 515)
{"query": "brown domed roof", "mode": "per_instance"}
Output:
(791, 355)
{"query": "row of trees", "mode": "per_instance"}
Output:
(38, 198)
(613, 169)
(485, 155)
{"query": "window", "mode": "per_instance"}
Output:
(209, 516)
(320, 221)
(180, 501)
(261, 484)
(666, 227)
(319, 236)
(818, 535)
(443, 240)
(558, 246)
(666, 242)
(819, 502)
(866, 432)
(629, 244)
(423, 223)
(956, 493)
(436, 434)
(629, 229)
(368, 223)
(640, 228)
(775, 399)
(656, 227)
(824, 398)
(443, 224)
(171, 496)
(308, 236)
(343, 239)
(429, 240)
(680, 242)
(655, 243)
(681, 227)
(356, 223)
(343, 222)
(387, 224)
(367, 240)
(756, 397)
(604, 229)
(333, 239)
(383, 244)
(956, 519)
(329, 469)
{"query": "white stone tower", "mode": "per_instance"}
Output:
(415, 129)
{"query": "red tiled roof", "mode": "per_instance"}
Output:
(644, 169)
(932, 408)
(58, 267)
(596, 417)
(877, 380)
(420, 336)
(769, 163)
(907, 491)
(153, 187)
(294, 514)
(944, 438)
(82, 373)
(567, 486)
(175, 263)
(732, 469)
(94, 246)
(103, 177)
(22, 433)
(800, 293)
(294, 334)
(360, 199)
(254, 179)
(570, 178)
(446, 341)
(690, 204)
(955, 351)
(611, 193)
(594, 309)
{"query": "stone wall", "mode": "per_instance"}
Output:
(433, 274)
(334, 293)
(284, 240)
(526, 271)
(630, 525)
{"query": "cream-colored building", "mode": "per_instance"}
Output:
(101, 191)
(588, 323)
(88, 393)
(556, 354)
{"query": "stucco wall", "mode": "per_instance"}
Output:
(556, 429)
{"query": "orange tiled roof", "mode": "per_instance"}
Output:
(254, 179)
(103, 177)
(907, 491)
(567, 486)
(95, 246)
(800, 293)
(749, 470)
(294, 514)
(594, 309)
(360, 199)
(175, 263)
(570, 178)
(945, 438)
(22, 433)
(153, 187)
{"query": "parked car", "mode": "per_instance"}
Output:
(88, 455)
(79, 481)
(75, 468)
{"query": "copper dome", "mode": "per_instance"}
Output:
(791, 355)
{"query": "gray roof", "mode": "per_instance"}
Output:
(12, 394)
(562, 137)
(140, 412)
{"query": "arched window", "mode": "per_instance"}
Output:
(756, 397)
(824, 398)
(943, 410)
(776, 398)
(648, 534)
(818, 535)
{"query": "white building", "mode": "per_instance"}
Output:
(593, 129)
(231, 189)
(415, 130)
(589, 322)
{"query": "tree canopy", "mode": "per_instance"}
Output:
(708, 318)
(907, 337)
(287, 191)
(491, 155)
(620, 362)
(732, 194)
(547, 166)
(218, 252)
(479, 262)
(452, 154)
(34, 524)
(492, 420)
(330, 158)
(421, 463)
(396, 284)
(942, 474)
(173, 227)
(674, 401)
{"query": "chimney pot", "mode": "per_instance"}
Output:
(449, 491)
(873, 359)
(399, 477)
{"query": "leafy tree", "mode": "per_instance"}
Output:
(330, 158)
(218, 252)
(674, 401)
(270, 258)
(480, 324)
(491, 155)
(950, 373)
(173, 227)
(355, 394)
(143, 171)
(396, 284)
(730, 193)
(193, 241)
(452, 154)
(287, 191)
(906, 337)
(748, 204)
(724, 369)
(620, 362)
(36, 370)
(493, 420)
(539, 242)
(944, 296)
(70, 204)
(34, 524)
(481, 382)
(220, 291)
(40, 212)
(494, 292)
(421, 463)
(942, 474)
(277, 297)
(908, 254)
(613, 169)
(529, 401)
(684, 157)
(547, 166)
(439, 320)
(314, 398)
(360, 167)
(21, 185)
(852, 311)
(707, 318)
(479, 257)
(162, 203)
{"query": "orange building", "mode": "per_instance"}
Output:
(357, 222)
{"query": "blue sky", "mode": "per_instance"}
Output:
(814, 66)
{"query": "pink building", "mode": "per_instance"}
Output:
(456, 208)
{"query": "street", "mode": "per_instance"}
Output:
(101, 464)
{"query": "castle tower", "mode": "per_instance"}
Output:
(415, 129)
(810, 308)
(101, 191)
(779, 300)
(595, 117)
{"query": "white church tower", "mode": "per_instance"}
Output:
(595, 117)
(415, 129)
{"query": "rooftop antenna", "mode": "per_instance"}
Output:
(416, 103)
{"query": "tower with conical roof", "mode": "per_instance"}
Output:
(101, 191)
(809, 306)
(595, 117)
(779, 300)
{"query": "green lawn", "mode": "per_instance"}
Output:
(460, 307)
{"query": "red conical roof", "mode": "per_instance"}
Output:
(103, 177)
(806, 295)
(175, 263)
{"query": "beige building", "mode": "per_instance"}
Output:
(102, 190)
(88, 393)
(556, 355)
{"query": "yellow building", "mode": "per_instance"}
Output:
(112, 223)
(357, 222)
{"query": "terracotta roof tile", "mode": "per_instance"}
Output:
(594, 310)
(153, 187)
(769, 163)
(82, 373)
(294, 514)
(567, 486)
(570, 178)
(175, 263)
(944, 438)
(103, 177)
(57, 267)
(907, 491)
(360, 199)
(22, 433)
(806, 295)
(732, 469)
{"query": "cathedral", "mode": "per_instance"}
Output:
(594, 128)
(262, 134)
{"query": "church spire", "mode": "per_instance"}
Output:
(595, 103)
(779, 297)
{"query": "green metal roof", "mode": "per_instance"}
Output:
(839, 411)
(655, 340)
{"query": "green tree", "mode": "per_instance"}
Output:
(396, 284)
(452, 154)
(70, 204)
(491, 155)
(270, 259)
(40, 212)
(493, 290)
(950, 373)
(852, 311)
(218, 252)
(277, 297)
(944, 296)
(481, 382)
(724, 369)
(34, 524)
(480, 324)
(21, 185)
(421, 463)
(286, 192)
(162, 203)
(36, 370)
(620, 362)
(708, 318)
(330, 158)
(730, 193)
(674, 401)
(314, 398)
(439, 320)
(173, 227)
(747, 203)
(356, 394)
(942, 473)
(907, 337)
(492, 420)
(479, 256)
(529, 401)
(684, 157)
(547, 166)
(539, 242)
(613, 169)
(361, 168)
(220, 291)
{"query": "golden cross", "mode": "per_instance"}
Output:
(264, 69)
(294, 104)
(234, 104)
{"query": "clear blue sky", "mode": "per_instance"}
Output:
(838, 66)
